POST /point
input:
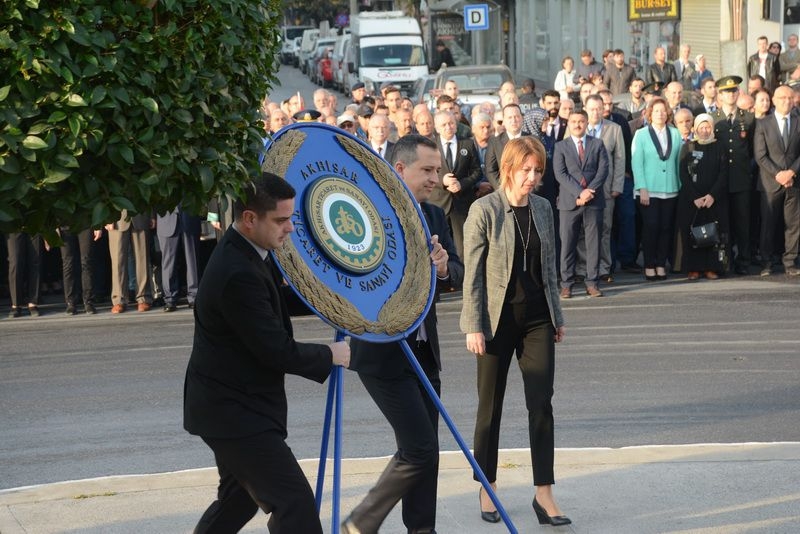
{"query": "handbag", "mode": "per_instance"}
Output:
(703, 235)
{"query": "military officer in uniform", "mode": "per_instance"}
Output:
(734, 127)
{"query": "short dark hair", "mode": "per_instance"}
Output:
(405, 149)
(551, 93)
(579, 112)
(262, 195)
(528, 83)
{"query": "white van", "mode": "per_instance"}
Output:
(288, 35)
(389, 49)
(338, 64)
(307, 47)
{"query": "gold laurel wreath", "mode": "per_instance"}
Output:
(406, 304)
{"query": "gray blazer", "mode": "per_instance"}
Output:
(488, 256)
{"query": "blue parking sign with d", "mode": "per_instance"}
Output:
(476, 17)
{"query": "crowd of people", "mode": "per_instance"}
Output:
(526, 193)
(654, 182)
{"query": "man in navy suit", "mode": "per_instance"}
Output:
(776, 147)
(234, 396)
(412, 473)
(581, 166)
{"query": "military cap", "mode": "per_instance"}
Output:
(307, 115)
(728, 83)
(357, 85)
(652, 88)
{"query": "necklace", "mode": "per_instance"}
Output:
(525, 242)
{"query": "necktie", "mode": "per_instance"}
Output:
(730, 119)
(449, 155)
(785, 133)
(380, 151)
(581, 152)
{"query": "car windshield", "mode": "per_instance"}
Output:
(478, 81)
(392, 55)
(291, 33)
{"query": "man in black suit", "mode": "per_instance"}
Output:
(777, 151)
(234, 396)
(512, 122)
(459, 172)
(412, 473)
(581, 167)
(553, 130)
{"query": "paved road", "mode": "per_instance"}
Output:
(675, 363)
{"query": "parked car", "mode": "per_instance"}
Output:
(422, 92)
(320, 47)
(476, 83)
(337, 61)
(288, 36)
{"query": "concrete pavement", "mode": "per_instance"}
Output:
(714, 488)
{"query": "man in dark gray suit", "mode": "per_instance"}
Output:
(777, 151)
(412, 473)
(177, 229)
(581, 166)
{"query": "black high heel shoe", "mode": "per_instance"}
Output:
(544, 519)
(489, 517)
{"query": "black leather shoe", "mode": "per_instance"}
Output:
(741, 269)
(489, 517)
(544, 519)
(34, 311)
(792, 271)
(766, 271)
(70, 310)
(14, 313)
(170, 307)
(90, 309)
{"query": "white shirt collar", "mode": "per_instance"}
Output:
(261, 251)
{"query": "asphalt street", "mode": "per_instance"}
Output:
(671, 363)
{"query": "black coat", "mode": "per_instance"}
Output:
(703, 171)
(243, 347)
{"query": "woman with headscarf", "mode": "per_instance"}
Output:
(702, 199)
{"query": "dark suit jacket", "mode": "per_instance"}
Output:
(387, 360)
(494, 152)
(569, 170)
(243, 347)
(770, 154)
(389, 151)
(468, 171)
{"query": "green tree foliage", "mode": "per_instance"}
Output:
(112, 104)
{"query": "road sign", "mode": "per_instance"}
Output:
(476, 17)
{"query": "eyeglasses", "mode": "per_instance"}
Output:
(346, 125)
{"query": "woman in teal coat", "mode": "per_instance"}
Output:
(654, 159)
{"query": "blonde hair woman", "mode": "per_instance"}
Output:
(509, 244)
